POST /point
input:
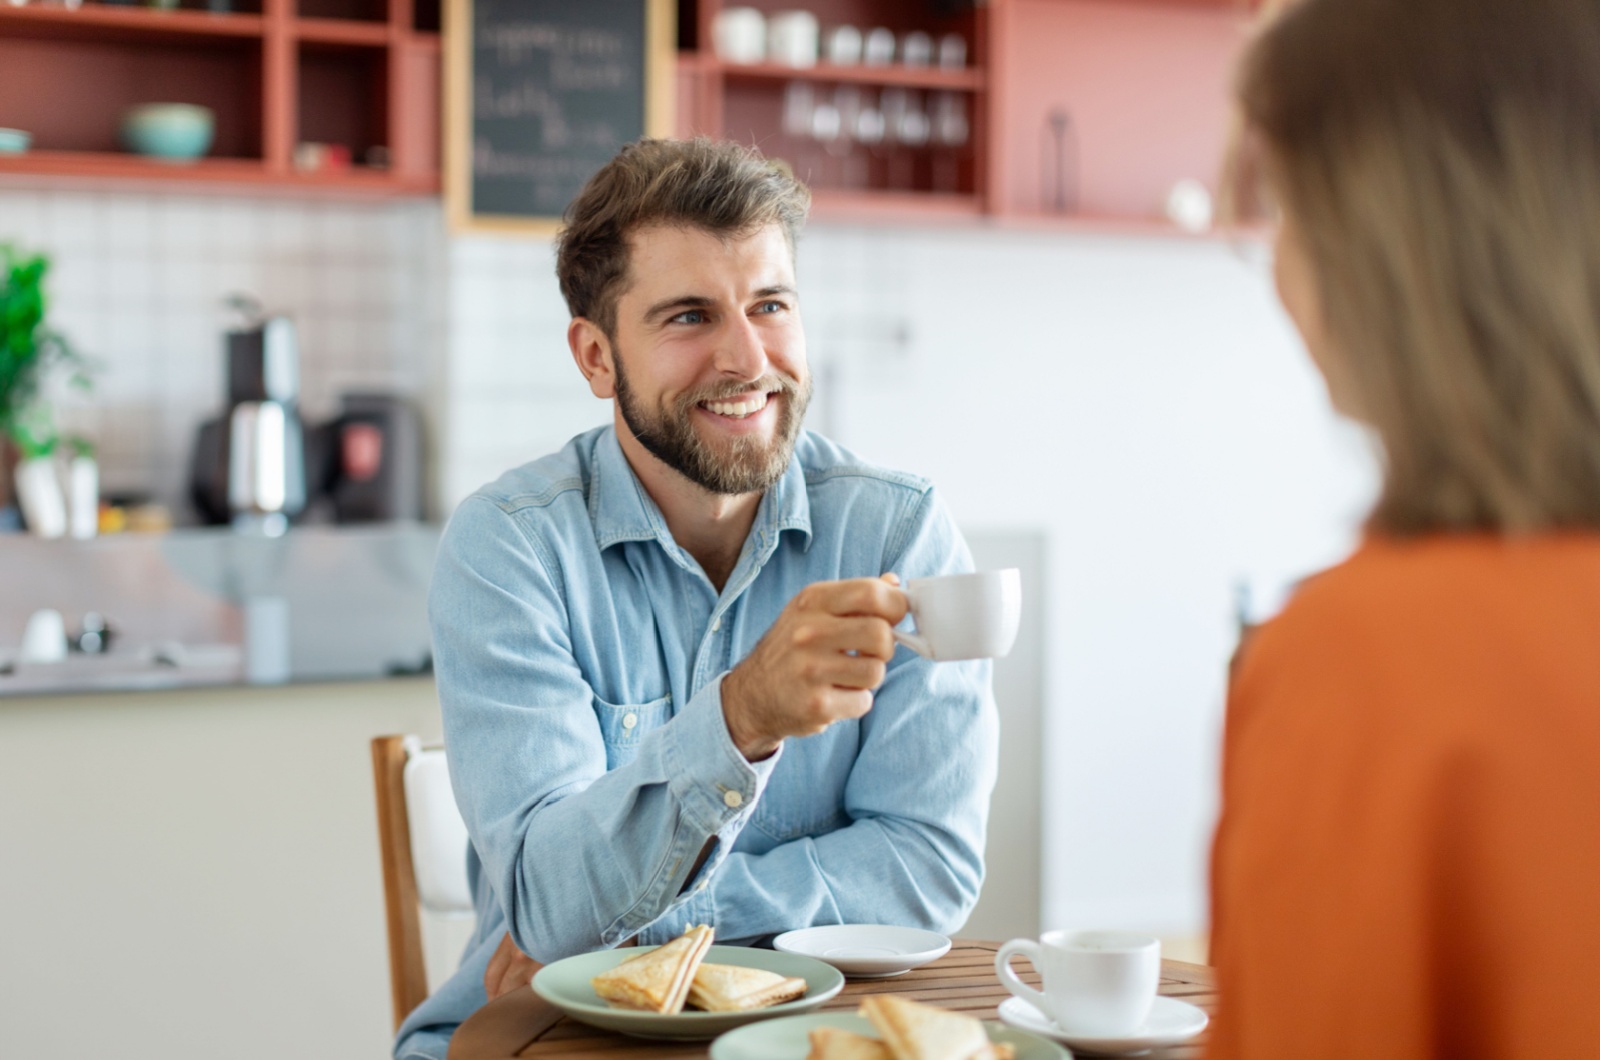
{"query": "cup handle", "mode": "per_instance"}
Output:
(915, 642)
(1008, 979)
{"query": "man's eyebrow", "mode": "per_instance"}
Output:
(676, 304)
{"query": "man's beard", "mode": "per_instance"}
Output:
(743, 464)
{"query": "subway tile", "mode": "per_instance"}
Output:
(23, 222)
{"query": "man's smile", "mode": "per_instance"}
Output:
(737, 408)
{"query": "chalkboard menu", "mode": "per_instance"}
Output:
(542, 94)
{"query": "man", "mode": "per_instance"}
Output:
(670, 691)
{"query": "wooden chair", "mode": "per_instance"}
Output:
(422, 843)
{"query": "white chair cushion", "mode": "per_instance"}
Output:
(438, 836)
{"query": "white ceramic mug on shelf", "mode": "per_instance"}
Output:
(964, 616)
(792, 38)
(739, 35)
(1097, 984)
(844, 45)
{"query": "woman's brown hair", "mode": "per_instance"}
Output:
(1440, 160)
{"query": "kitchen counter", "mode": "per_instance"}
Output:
(209, 606)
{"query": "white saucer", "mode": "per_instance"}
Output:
(865, 951)
(1170, 1021)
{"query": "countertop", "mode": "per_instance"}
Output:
(210, 606)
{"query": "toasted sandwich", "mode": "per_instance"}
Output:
(659, 980)
(832, 1043)
(914, 1031)
(730, 988)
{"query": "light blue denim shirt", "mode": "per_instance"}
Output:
(579, 653)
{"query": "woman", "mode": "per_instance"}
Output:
(1408, 860)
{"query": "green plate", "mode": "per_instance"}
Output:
(565, 984)
(785, 1039)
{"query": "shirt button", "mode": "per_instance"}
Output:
(717, 624)
(732, 799)
(629, 720)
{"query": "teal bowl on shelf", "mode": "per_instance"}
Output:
(174, 132)
(14, 141)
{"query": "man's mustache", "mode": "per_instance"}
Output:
(770, 383)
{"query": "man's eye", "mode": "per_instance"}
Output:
(771, 307)
(690, 316)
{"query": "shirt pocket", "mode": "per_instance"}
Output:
(623, 725)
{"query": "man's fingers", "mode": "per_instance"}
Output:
(862, 596)
(851, 704)
(860, 673)
(857, 634)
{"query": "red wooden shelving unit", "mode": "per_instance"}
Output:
(1155, 61)
(361, 73)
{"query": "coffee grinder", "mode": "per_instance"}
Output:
(250, 466)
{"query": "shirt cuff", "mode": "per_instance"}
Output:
(709, 776)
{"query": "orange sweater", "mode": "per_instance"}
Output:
(1408, 859)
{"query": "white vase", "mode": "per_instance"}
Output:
(44, 505)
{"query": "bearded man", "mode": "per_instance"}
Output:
(669, 687)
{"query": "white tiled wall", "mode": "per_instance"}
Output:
(138, 283)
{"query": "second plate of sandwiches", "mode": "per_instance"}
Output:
(686, 989)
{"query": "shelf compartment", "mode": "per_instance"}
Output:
(844, 164)
(111, 22)
(426, 16)
(344, 99)
(72, 95)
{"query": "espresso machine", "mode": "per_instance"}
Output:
(250, 465)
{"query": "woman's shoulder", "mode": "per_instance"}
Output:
(1442, 579)
(1453, 626)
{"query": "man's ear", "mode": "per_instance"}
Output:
(592, 352)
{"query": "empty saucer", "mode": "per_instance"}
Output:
(866, 951)
(1170, 1021)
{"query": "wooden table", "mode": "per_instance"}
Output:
(522, 1024)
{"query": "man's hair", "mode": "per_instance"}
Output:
(1441, 159)
(719, 187)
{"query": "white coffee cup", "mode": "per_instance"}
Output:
(1097, 984)
(964, 616)
(739, 35)
(916, 48)
(844, 46)
(44, 639)
(877, 48)
(792, 38)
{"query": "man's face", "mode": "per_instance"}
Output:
(709, 354)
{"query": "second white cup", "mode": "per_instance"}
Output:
(1097, 984)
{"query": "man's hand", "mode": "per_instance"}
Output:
(509, 969)
(819, 663)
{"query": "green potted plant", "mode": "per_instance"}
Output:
(31, 353)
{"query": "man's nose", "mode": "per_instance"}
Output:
(741, 352)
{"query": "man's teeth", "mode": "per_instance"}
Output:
(737, 408)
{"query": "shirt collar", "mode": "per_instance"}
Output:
(621, 510)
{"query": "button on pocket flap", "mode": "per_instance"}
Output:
(625, 724)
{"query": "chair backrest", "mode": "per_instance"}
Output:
(422, 843)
